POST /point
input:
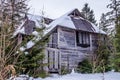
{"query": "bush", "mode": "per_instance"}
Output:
(116, 62)
(84, 66)
(64, 70)
(41, 74)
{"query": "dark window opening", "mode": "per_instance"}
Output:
(74, 14)
(83, 39)
(53, 59)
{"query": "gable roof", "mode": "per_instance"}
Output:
(73, 19)
(68, 20)
(74, 12)
(76, 22)
(28, 21)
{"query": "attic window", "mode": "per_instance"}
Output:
(74, 14)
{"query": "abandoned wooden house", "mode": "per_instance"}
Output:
(72, 38)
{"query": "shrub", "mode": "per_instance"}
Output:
(84, 66)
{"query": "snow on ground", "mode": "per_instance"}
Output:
(79, 76)
(76, 76)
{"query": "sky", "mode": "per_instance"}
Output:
(56, 8)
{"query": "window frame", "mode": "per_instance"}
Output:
(83, 39)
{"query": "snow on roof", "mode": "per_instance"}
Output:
(31, 17)
(20, 29)
(69, 12)
(35, 18)
(97, 29)
(64, 21)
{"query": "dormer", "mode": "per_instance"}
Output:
(75, 13)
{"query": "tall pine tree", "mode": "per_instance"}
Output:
(88, 14)
(114, 17)
(103, 23)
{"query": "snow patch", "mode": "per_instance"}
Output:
(35, 18)
(22, 48)
(30, 44)
(26, 53)
(76, 76)
(35, 33)
(97, 30)
(73, 71)
(20, 29)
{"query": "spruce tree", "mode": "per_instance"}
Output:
(31, 61)
(16, 10)
(103, 23)
(101, 55)
(8, 45)
(88, 14)
(114, 14)
(118, 35)
(114, 17)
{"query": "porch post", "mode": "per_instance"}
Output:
(91, 46)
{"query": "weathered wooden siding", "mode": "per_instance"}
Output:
(71, 58)
(53, 59)
(57, 58)
(53, 40)
(66, 38)
(66, 52)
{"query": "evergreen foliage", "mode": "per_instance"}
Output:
(101, 57)
(99, 61)
(114, 17)
(103, 23)
(15, 9)
(88, 14)
(8, 21)
(32, 62)
(116, 61)
(84, 66)
(117, 36)
(64, 70)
